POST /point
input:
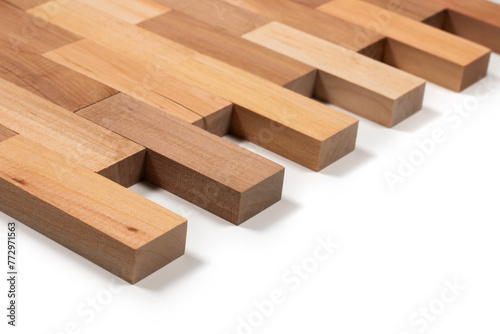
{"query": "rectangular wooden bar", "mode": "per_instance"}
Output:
(280, 120)
(206, 39)
(354, 82)
(116, 229)
(202, 168)
(435, 55)
(77, 139)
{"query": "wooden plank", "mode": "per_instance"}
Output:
(6, 133)
(282, 121)
(359, 84)
(417, 48)
(116, 229)
(130, 11)
(204, 169)
(26, 4)
(304, 18)
(21, 62)
(200, 36)
(477, 20)
(77, 139)
(147, 83)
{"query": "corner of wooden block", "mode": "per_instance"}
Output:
(158, 253)
(304, 85)
(128, 171)
(337, 146)
(261, 196)
(219, 122)
(407, 105)
(474, 71)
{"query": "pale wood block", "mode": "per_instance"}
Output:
(233, 50)
(347, 79)
(133, 12)
(75, 138)
(109, 225)
(308, 133)
(147, 83)
(417, 48)
(202, 168)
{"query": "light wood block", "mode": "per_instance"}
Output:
(354, 82)
(133, 12)
(255, 59)
(304, 18)
(282, 121)
(75, 138)
(148, 84)
(116, 229)
(21, 62)
(417, 48)
(204, 169)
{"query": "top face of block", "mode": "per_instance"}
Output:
(80, 193)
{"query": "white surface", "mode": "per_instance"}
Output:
(397, 248)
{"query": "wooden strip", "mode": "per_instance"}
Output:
(204, 169)
(21, 62)
(116, 229)
(147, 83)
(359, 84)
(477, 20)
(77, 139)
(130, 11)
(26, 4)
(199, 36)
(285, 122)
(417, 48)
(6, 133)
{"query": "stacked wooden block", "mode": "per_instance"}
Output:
(97, 95)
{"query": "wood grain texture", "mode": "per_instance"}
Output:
(304, 18)
(354, 82)
(147, 83)
(282, 121)
(205, 39)
(117, 229)
(75, 138)
(477, 20)
(21, 62)
(417, 48)
(6, 133)
(133, 12)
(204, 169)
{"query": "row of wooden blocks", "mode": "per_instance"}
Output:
(97, 95)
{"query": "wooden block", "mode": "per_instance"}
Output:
(304, 18)
(218, 14)
(282, 121)
(354, 82)
(75, 138)
(109, 225)
(417, 48)
(133, 12)
(202, 168)
(477, 20)
(200, 36)
(6, 133)
(21, 62)
(147, 83)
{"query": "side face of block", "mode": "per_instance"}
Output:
(200, 167)
(116, 229)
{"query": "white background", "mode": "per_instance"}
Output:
(397, 248)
